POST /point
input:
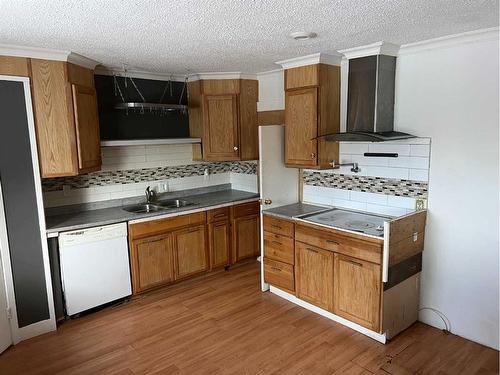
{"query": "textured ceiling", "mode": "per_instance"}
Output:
(222, 35)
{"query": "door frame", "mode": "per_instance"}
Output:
(44, 326)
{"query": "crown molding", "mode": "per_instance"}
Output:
(450, 40)
(47, 54)
(270, 72)
(316, 58)
(377, 48)
(119, 72)
(221, 75)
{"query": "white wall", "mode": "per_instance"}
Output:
(271, 91)
(450, 94)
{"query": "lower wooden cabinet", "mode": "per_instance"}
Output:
(314, 275)
(219, 239)
(245, 234)
(357, 291)
(279, 274)
(152, 261)
(190, 250)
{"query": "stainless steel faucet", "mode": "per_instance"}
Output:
(150, 194)
(354, 166)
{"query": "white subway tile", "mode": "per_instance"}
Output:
(409, 162)
(367, 197)
(401, 202)
(386, 172)
(122, 151)
(419, 175)
(401, 149)
(370, 161)
(124, 194)
(420, 150)
(358, 148)
(344, 203)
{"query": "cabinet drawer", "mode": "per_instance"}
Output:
(148, 228)
(219, 214)
(279, 248)
(279, 274)
(278, 226)
(369, 250)
(246, 209)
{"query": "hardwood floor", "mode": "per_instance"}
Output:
(223, 324)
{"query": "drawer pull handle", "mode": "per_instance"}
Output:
(275, 269)
(332, 242)
(276, 226)
(220, 215)
(314, 251)
(277, 243)
(356, 263)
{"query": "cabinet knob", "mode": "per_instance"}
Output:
(268, 201)
(313, 155)
(235, 148)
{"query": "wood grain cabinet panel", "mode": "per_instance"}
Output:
(357, 291)
(190, 250)
(314, 275)
(279, 247)
(245, 238)
(14, 66)
(302, 76)
(219, 237)
(301, 119)
(278, 226)
(152, 262)
(221, 127)
(279, 274)
(87, 128)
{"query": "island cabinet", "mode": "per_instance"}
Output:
(66, 118)
(245, 228)
(312, 109)
(223, 113)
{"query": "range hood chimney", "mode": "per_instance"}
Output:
(370, 97)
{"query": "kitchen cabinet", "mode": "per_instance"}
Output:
(314, 275)
(312, 109)
(245, 231)
(219, 237)
(190, 251)
(15, 66)
(153, 262)
(357, 291)
(66, 118)
(224, 114)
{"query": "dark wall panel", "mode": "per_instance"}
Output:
(16, 175)
(118, 125)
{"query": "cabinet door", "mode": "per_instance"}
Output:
(246, 243)
(190, 251)
(314, 275)
(221, 137)
(54, 121)
(152, 262)
(358, 291)
(87, 128)
(301, 126)
(219, 243)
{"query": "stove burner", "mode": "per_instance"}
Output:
(359, 224)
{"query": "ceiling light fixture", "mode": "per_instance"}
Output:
(303, 35)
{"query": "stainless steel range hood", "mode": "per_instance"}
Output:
(370, 101)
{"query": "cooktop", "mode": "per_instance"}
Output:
(353, 221)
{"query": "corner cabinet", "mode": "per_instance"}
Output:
(312, 109)
(66, 118)
(224, 114)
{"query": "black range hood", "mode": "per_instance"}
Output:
(370, 101)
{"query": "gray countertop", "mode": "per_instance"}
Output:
(111, 215)
(294, 210)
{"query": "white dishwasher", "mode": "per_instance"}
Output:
(94, 266)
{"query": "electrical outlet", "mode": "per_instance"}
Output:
(206, 174)
(420, 204)
(163, 187)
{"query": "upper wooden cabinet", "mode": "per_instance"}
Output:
(66, 118)
(15, 66)
(224, 114)
(312, 109)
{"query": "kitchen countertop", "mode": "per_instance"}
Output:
(291, 211)
(112, 215)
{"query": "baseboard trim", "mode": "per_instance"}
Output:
(35, 329)
(290, 297)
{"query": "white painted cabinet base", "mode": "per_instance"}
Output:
(290, 297)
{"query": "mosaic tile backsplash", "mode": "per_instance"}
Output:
(129, 176)
(395, 187)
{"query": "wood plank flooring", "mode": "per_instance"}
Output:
(223, 324)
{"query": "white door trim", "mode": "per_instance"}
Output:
(38, 328)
